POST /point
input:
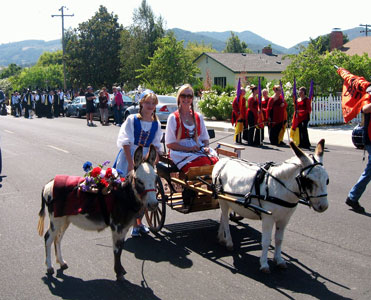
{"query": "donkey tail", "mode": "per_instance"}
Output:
(40, 225)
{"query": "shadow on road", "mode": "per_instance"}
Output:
(68, 287)
(200, 237)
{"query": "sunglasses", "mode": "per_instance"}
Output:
(189, 96)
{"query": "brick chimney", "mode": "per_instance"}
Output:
(267, 50)
(336, 39)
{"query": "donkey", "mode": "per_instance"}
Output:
(137, 192)
(282, 186)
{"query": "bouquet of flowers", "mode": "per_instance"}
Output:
(100, 179)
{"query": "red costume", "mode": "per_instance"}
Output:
(252, 106)
(275, 112)
(238, 109)
(301, 112)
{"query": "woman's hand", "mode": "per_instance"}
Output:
(194, 148)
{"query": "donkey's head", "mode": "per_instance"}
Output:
(144, 177)
(313, 178)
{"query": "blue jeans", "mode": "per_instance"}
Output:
(117, 114)
(358, 189)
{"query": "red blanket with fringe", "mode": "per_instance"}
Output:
(69, 200)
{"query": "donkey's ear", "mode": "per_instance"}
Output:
(151, 155)
(138, 156)
(299, 153)
(320, 149)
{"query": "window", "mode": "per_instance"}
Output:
(221, 81)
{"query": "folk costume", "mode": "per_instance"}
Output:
(56, 105)
(253, 132)
(185, 160)
(28, 104)
(300, 120)
(48, 105)
(278, 119)
(238, 117)
(135, 132)
(264, 107)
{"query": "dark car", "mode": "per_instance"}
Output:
(166, 105)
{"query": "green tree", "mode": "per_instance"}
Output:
(234, 45)
(170, 66)
(50, 58)
(38, 77)
(322, 42)
(138, 43)
(196, 49)
(11, 70)
(92, 50)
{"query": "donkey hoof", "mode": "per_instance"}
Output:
(265, 270)
(64, 267)
(281, 265)
(50, 271)
(230, 247)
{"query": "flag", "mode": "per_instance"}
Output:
(311, 90)
(240, 118)
(354, 94)
(282, 131)
(260, 111)
(294, 132)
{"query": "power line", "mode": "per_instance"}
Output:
(63, 48)
(367, 30)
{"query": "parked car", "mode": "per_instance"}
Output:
(166, 105)
(77, 107)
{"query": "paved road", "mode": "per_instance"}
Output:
(328, 254)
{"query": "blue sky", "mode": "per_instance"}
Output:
(284, 22)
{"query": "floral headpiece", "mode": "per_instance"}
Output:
(145, 93)
(100, 179)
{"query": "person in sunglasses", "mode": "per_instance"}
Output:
(186, 134)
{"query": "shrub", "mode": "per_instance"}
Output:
(212, 105)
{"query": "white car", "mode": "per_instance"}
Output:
(166, 105)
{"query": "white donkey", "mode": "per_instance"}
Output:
(277, 189)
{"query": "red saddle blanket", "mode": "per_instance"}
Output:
(70, 200)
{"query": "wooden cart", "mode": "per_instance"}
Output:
(188, 192)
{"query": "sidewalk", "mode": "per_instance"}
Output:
(337, 135)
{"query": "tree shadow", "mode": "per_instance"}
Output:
(298, 278)
(69, 287)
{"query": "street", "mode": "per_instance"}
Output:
(328, 253)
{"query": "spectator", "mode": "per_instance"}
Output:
(103, 107)
(90, 109)
(118, 105)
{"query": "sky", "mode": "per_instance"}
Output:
(283, 22)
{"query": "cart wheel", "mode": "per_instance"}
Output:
(234, 217)
(156, 218)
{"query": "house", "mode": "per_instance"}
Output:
(226, 68)
(358, 46)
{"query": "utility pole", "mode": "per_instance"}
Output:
(63, 48)
(367, 30)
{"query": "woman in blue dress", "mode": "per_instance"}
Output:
(139, 129)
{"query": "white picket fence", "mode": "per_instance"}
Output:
(327, 110)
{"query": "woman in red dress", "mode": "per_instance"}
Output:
(276, 115)
(302, 112)
(253, 135)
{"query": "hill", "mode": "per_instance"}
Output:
(26, 52)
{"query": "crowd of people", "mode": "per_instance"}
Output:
(270, 112)
(50, 103)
